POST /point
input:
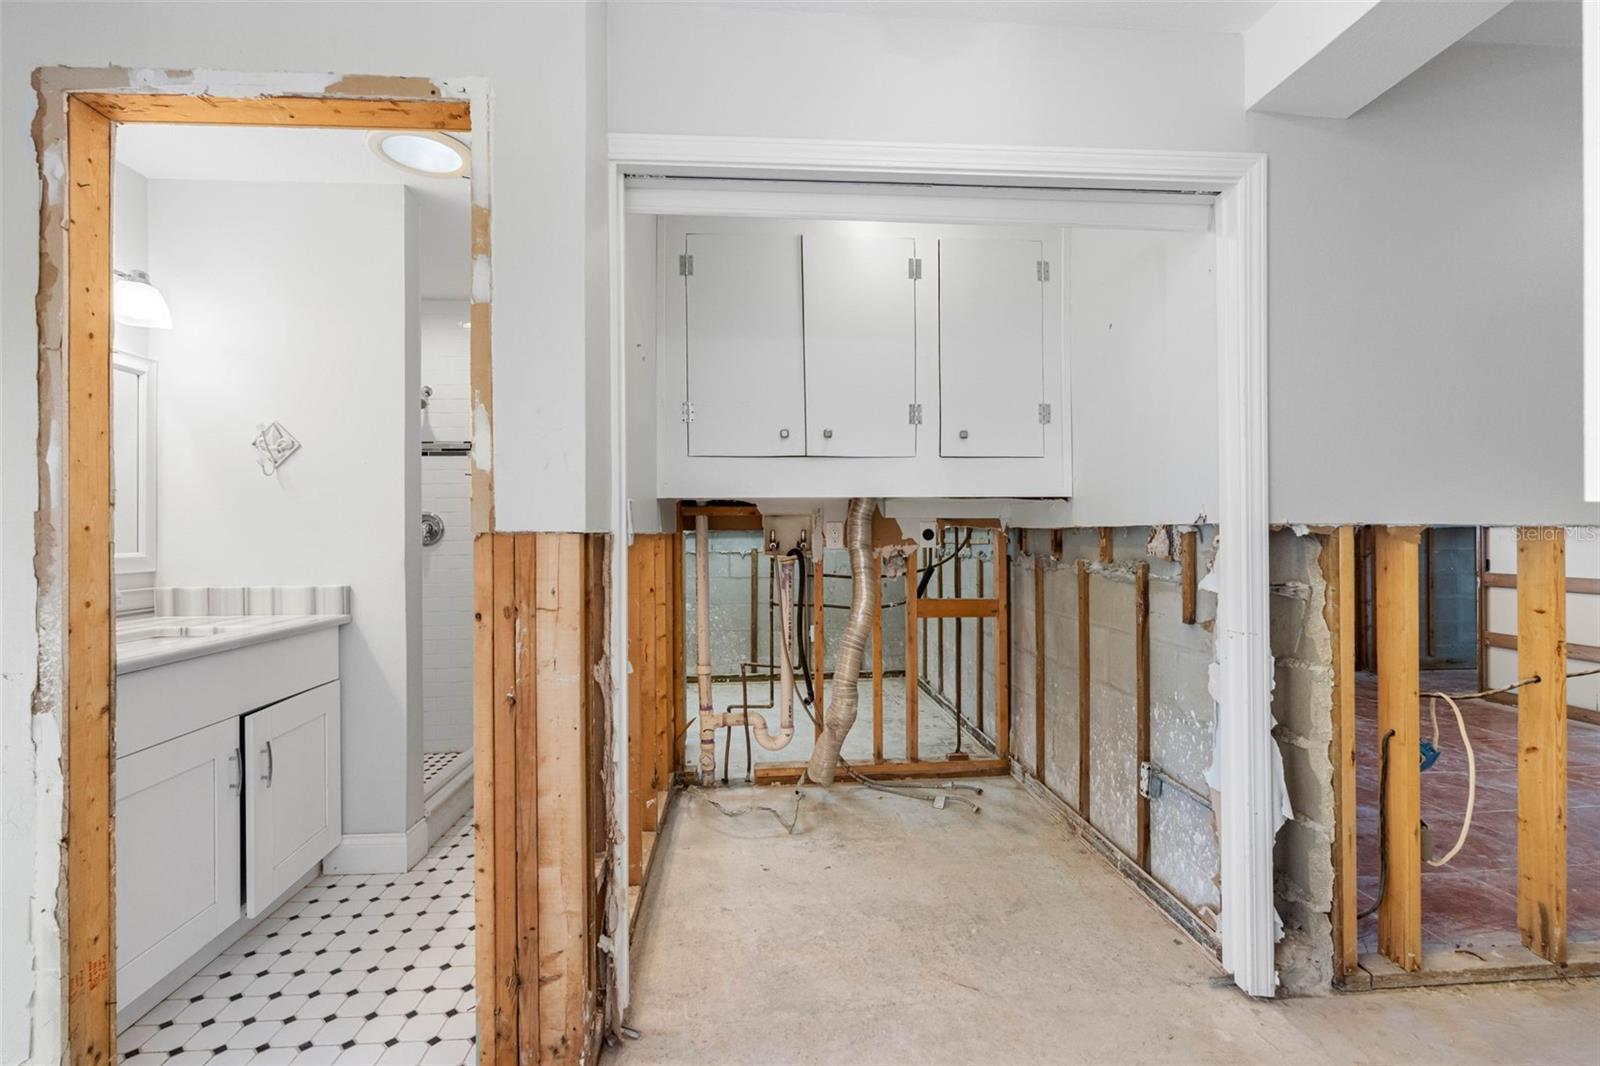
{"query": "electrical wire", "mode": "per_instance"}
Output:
(1472, 771)
(1383, 817)
(927, 575)
(736, 812)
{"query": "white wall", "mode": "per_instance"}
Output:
(292, 302)
(447, 566)
(1424, 254)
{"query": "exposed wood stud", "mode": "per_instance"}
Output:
(1338, 571)
(638, 625)
(313, 111)
(958, 608)
(1141, 652)
(562, 859)
(1187, 563)
(525, 747)
(981, 639)
(1002, 646)
(1583, 653)
(877, 662)
(90, 882)
(1542, 741)
(499, 999)
(819, 642)
(789, 773)
(1039, 652)
(1083, 690)
(1397, 596)
(485, 711)
(1106, 553)
(913, 609)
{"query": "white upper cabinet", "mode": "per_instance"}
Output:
(991, 347)
(745, 344)
(860, 344)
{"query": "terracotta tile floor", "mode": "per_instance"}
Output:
(1473, 901)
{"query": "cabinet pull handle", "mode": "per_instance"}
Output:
(235, 770)
(267, 752)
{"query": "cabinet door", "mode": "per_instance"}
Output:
(291, 800)
(861, 345)
(745, 344)
(178, 852)
(991, 348)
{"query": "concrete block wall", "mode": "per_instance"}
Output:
(1183, 837)
(1183, 842)
(1454, 618)
(1302, 711)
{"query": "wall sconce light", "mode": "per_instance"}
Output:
(136, 302)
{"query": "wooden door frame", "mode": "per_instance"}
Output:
(77, 113)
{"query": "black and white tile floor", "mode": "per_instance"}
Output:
(435, 763)
(363, 968)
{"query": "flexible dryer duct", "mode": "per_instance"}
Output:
(841, 713)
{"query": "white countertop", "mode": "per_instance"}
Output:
(155, 640)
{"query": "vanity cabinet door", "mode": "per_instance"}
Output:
(292, 801)
(178, 852)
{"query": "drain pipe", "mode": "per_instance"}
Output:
(841, 713)
(709, 720)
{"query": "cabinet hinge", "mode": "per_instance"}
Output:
(1044, 414)
(914, 414)
(1043, 270)
(914, 268)
(686, 411)
(686, 265)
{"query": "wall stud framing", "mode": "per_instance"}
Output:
(1338, 571)
(1542, 741)
(1038, 669)
(1141, 653)
(1400, 914)
(877, 663)
(1002, 643)
(1187, 561)
(1084, 691)
(913, 682)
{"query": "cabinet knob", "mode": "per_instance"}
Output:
(827, 434)
(783, 434)
(963, 434)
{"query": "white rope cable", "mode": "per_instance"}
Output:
(1472, 771)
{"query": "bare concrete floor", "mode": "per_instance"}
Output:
(885, 931)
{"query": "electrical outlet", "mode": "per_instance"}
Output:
(833, 534)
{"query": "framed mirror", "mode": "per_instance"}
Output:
(133, 439)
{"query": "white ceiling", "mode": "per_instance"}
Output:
(230, 153)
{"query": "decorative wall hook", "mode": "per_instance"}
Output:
(273, 445)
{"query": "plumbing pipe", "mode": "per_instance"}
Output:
(746, 716)
(841, 712)
(702, 643)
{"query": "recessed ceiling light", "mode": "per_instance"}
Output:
(422, 152)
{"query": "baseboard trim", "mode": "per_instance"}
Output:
(449, 802)
(379, 853)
